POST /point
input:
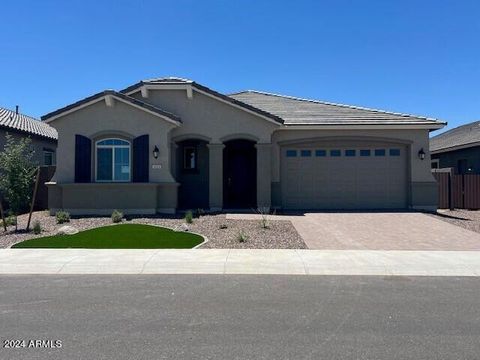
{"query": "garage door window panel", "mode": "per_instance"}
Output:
(379, 152)
(306, 153)
(350, 153)
(365, 152)
(394, 152)
(291, 153)
(335, 153)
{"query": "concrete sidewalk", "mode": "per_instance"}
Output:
(226, 261)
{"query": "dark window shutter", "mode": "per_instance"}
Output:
(140, 157)
(83, 159)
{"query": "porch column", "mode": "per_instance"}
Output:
(264, 175)
(215, 175)
(173, 159)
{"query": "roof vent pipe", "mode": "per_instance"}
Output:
(16, 109)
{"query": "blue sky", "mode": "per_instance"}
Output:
(418, 57)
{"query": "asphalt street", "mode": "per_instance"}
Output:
(239, 317)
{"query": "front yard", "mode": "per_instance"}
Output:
(221, 233)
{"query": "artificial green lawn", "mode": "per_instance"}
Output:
(122, 236)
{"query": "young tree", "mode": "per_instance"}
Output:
(17, 173)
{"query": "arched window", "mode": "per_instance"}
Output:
(113, 160)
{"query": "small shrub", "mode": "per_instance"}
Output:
(264, 223)
(117, 216)
(37, 227)
(200, 212)
(10, 220)
(223, 226)
(242, 237)
(62, 217)
(189, 217)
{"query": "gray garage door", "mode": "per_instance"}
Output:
(344, 177)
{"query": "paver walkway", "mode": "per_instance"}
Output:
(377, 231)
(239, 261)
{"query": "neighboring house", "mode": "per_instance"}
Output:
(458, 148)
(43, 136)
(170, 143)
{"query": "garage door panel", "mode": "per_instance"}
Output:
(377, 179)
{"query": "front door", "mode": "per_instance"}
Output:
(239, 174)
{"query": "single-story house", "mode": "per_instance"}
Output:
(458, 148)
(42, 135)
(166, 144)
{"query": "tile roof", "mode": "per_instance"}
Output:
(298, 111)
(177, 80)
(114, 94)
(459, 136)
(9, 119)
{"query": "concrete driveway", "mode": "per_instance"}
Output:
(378, 231)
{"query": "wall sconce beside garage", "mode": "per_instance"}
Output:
(421, 154)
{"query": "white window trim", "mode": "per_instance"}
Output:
(129, 146)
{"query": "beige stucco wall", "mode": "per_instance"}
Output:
(211, 120)
(209, 117)
(38, 143)
(97, 121)
(103, 198)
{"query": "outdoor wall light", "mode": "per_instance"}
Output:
(421, 154)
(156, 152)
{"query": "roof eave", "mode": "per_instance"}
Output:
(101, 96)
(20, 131)
(455, 147)
(332, 126)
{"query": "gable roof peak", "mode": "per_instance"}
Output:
(121, 96)
(173, 79)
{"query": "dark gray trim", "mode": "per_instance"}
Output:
(114, 94)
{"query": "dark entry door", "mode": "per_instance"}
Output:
(239, 174)
(192, 174)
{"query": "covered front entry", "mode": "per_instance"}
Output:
(344, 175)
(239, 174)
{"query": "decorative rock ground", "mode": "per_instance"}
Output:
(222, 233)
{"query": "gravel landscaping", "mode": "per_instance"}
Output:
(221, 233)
(468, 219)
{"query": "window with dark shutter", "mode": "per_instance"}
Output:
(83, 159)
(140, 155)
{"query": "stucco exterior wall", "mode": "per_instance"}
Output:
(98, 121)
(215, 122)
(38, 143)
(210, 118)
(103, 198)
